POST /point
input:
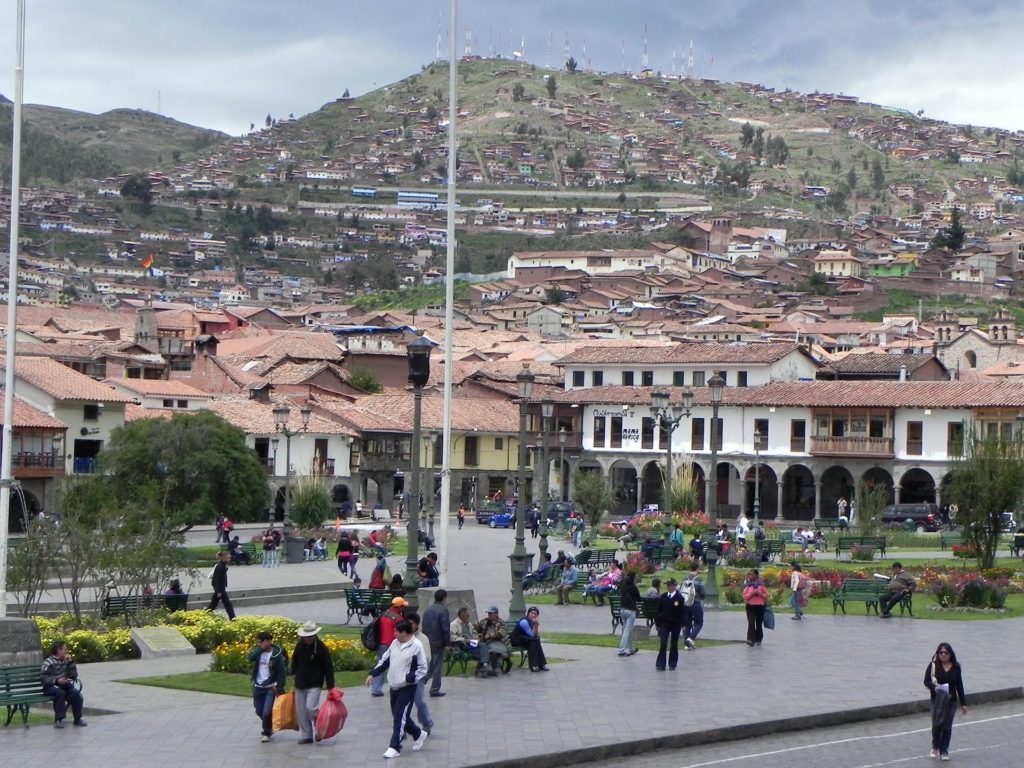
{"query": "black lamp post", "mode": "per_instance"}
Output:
(282, 415)
(418, 353)
(547, 408)
(716, 384)
(517, 606)
(668, 417)
(757, 477)
(562, 474)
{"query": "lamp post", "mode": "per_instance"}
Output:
(418, 354)
(517, 607)
(668, 417)
(757, 477)
(562, 435)
(282, 414)
(432, 439)
(274, 442)
(547, 409)
(716, 384)
(57, 444)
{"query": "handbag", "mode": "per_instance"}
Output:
(284, 717)
(332, 715)
(940, 704)
(769, 618)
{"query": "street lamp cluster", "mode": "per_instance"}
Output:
(518, 558)
(668, 417)
(282, 414)
(418, 354)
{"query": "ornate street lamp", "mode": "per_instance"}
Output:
(282, 415)
(757, 476)
(715, 384)
(547, 408)
(562, 491)
(517, 607)
(418, 353)
(668, 417)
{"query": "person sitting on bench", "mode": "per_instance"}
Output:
(494, 643)
(536, 577)
(526, 634)
(900, 585)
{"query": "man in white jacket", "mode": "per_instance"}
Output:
(406, 664)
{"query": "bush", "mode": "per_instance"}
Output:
(968, 591)
(311, 503)
(346, 655)
(86, 646)
(743, 558)
(966, 551)
(862, 554)
(637, 564)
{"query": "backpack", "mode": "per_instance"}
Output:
(802, 582)
(689, 593)
(370, 636)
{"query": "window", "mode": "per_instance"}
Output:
(499, 443)
(627, 378)
(876, 427)
(915, 431)
(678, 378)
(741, 378)
(955, 438)
(615, 431)
(718, 434)
(646, 378)
(647, 432)
(599, 431)
(697, 434)
(183, 403)
(471, 454)
(797, 435)
(91, 412)
(724, 375)
(761, 433)
(698, 378)
(838, 426)
(168, 403)
(439, 451)
(597, 378)
(578, 379)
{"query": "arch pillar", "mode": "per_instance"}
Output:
(817, 499)
(778, 509)
(896, 494)
(639, 491)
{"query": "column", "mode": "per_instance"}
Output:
(639, 491)
(743, 496)
(817, 499)
(896, 494)
(571, 469)
(778, 508)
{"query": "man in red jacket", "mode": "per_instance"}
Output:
(388, 619)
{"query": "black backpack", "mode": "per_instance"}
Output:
(371, 635)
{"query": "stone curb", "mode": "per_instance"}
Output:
(745, 731)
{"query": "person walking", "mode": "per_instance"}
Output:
(755, 595)
(406, 664)
(944, 679)
(423, 715)
(388, 621)
(269, 668)
(460, 516)
(798, 582)
(630, 600)
(343, 553)
(695, 612)
(58, 675)
(671, 607)
(312, 668)
(437, 623)
(269, 550)
(219, 582)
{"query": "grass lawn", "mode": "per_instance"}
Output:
(227, 683)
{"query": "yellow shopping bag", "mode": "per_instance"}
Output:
(284, 713)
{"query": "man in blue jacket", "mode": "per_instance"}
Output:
(269, 671)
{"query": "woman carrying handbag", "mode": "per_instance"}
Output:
(943, 679)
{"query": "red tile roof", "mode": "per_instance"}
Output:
(690, 352)
(63, 383)
(171, 388)
(28, 416)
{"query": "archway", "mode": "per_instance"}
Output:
(653, 481)
(622, 479)
(766, 495)
(971, 358)
(279, 504)
(836, 484)
(24, 507)
(798, 493)
(727, 503)
(917, 486)
(876, 477)
(339, 495)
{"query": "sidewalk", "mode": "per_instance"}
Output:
(807, 673)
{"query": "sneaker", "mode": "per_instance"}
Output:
(886, 616)
(265, 738)
(418, 744)
(690, 645)
(391, 752)
(58, 723)
(623, 653)
(797, 618)
(377, 693)
(934, 753)
(944, 756)
(305, 741)
(633, 652)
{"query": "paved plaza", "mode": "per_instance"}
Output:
(592, 705)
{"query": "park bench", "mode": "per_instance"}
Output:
(130, 605)
(255, 555)
(948, 539)
(1017, 544)
(646, 609)
(828, 524)
(20, 688)
(455, 655)
(366, 602)
(582, 582)
(661, 555)
(868, 591)
(507, 664)
(772, 546)
(847, 543)
(600, 558)
(550, 580)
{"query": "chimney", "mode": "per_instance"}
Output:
(260, 392)
(903, 373)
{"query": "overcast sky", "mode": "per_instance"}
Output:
(225, 63)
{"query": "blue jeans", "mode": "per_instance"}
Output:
(941, 736)
(377, 686)
(628, 620)
(695, 615)
(63, 696)
(263, 702)
(794, 600)
(422, 710)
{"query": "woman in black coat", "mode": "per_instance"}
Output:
(942, 677)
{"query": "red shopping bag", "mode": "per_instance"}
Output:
(333, 713)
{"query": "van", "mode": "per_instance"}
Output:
(925, 516)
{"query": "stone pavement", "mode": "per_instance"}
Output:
(593, 705)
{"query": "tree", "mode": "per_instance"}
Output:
(137, 187)
(877, 175)
(757, 145)
(554, 295)
(872, 498)
(746, 135)
(621, 198)
(987, 480)
(30, 563)
(570, 65)
(576, 160)
(517, 92)
(193, 465)
(345, 95)
(851, 178)
(269, 120)
(552, 86)
(952, 237)
(593, 495)
(366, 380)
(265, 220)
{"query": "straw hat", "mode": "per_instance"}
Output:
(309, 629)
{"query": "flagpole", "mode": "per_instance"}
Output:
(12, 302)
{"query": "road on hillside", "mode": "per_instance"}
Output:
(990, 736)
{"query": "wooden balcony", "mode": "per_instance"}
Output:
(26, 464)
(853, 447)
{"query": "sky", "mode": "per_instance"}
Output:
(224, 64)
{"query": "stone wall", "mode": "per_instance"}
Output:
(19, 642)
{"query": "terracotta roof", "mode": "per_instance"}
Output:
(170, 388)
(28, 416)
(878, 362)
(63, 383)
(693, 352)
(393, 412)
(256, 418)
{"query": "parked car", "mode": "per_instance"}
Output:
(502, 520)
(925, 517)
(560, 510)
(488, 510)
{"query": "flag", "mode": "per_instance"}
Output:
(147, 262)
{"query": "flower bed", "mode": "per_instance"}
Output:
(637, 564)
(966, 551)
(969, 591)
(862, 554)
(346, 655)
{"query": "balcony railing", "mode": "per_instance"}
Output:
(85, 466)
(797, 444)
(881, 447)
(28, 460)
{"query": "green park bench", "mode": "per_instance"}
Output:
(848, 542)
(828, 524)
(255, 555)
(774, 548)
(948, 538)
(647, 610)
(21, 687)
(132, 605)
(366, 602)
(547, 584)
(868, 591)
(661, 556)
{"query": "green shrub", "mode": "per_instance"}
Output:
(85, 645)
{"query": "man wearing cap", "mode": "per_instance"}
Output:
(311, 668)
(388, 620)
(494, 642)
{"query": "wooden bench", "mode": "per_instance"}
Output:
(600, 558)
(661, 556)
(949, 538)
(249, 547)
(366, 602)
(507, 664)
(546, 584)
(130, 605)
(1017, 544)
(21, 687)
(582, 582)
(646, 609)
(847, 543)
(772, 547)
(828, 524)
(868, 591)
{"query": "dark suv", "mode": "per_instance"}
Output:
(924, 516)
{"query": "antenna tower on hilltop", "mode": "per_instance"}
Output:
(566, 46)
(548, 59)
(469, 42)
(437, 51)
(586, 62)
(624, 70)
(645, 64)
(689, 63)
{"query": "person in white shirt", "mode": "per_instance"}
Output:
(405, 661)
